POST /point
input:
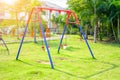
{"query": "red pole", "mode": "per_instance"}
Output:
(76, 18)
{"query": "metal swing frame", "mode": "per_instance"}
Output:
(69, 14)
(1, 39)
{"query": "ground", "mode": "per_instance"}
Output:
(72, 63)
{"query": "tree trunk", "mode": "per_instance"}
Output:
(95, 34)
(118, 29)
(95, 31)
(113, 32)
(95, 27)
(101, 32)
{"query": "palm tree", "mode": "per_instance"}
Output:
(97, 10)
(89, 9)
(117, 15)
(114, 16)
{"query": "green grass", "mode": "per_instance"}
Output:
(73, 63)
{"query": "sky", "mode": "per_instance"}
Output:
(8, 1)
(61, 3)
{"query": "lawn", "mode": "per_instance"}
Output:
(73, 63)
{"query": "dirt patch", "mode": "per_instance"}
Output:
(61, 58)
(43, 62)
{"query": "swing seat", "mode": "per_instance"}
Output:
(65, 46)
(43, 48)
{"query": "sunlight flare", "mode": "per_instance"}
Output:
(9, 1)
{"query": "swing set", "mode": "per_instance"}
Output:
(37, 10)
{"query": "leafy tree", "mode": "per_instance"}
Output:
(59, 20)
(97, 13)
(114, 18)
(22, 6)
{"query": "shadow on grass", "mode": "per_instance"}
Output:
(64, 54)
(91, 75)
(111, 44)
(50, 43)
(4, 51)
(35, 65)
(102, 71)
(25, 62)
(72, 48)
(75, 75)
(68, 73)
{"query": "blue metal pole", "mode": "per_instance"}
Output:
(24, 34)
(86, 42)
(62, 37)
(46, 44)
(21, 42)
(5, 46)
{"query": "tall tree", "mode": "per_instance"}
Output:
(97, 12)
(22, 6)
(115, 18)
(89, 9)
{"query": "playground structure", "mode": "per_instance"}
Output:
(37, 10)
(1, 39)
